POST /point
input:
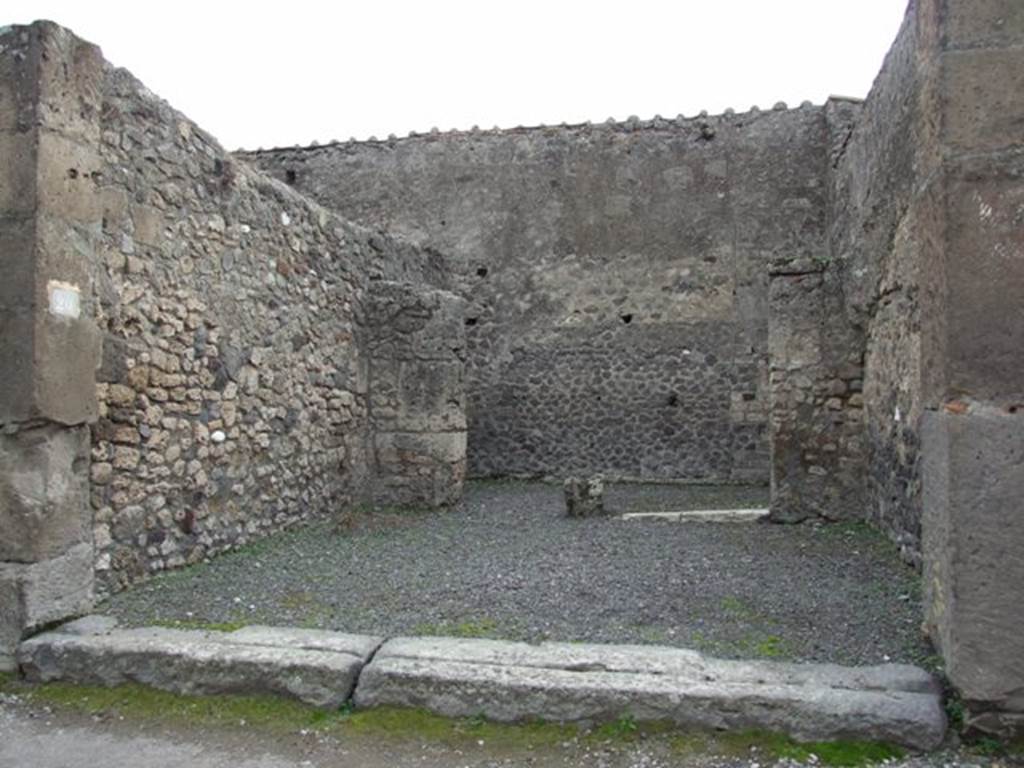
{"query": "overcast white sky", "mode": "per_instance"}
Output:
(284, 73)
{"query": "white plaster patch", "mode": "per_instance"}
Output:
(285, 219)
(985, 211)
(701, 516)
(65, 299)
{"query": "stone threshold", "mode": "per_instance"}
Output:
(701, 516)
(502, 681)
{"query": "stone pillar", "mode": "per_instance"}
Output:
(816, 417)
(50, 93)
(417, 395)
(972, 365)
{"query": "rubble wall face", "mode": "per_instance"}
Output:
(884, 232)
(616, 278)
(233, 390)
(417, 373)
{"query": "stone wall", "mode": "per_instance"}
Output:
(926, 249)
(880, 236)
(969, 213)
(234, 386)
(816, 399)
(417, 406)
(616, 277)
(187, 343)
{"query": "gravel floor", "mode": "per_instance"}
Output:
(507, 563)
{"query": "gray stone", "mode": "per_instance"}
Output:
(34, 595)
(193, 663)
(360, 646)
(95, 624)
(44, 492)
(511, 682)
(973, 476)
(584, 498)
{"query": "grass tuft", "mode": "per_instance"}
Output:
(482, 627)
(209, 626)
(774, 746)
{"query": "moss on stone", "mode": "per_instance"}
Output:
(421, 725)
(277, 715)
(140, 702)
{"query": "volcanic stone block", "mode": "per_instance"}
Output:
(34, 595)
(17, 173)
(44, 492)
(191, 662)
(17, 77)
(983, 23)
(984, 99)
(70, 81)
(360, 646)
(584, 498)
(512, 682)
(985, 280)
(419, 395)
(973, 475)
(419, 468)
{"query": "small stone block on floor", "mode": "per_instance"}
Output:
(584, 497)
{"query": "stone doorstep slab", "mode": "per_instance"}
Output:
(701, 516)
(200, 662)
(680, 663)
(504, 681)
(559, 682)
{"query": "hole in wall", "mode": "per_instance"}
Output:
(673, 400)
(481, 271)
(290, 176)
(626, 318)
(72, 173)
(444, 223)
(471, 321)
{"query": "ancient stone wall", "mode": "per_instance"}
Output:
(417, 407)
(880, 236)
(616, 277)
(234, 386)
(816, 399)
(186, 342)
(925, 248)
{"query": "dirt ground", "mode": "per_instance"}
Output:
(507, 563)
